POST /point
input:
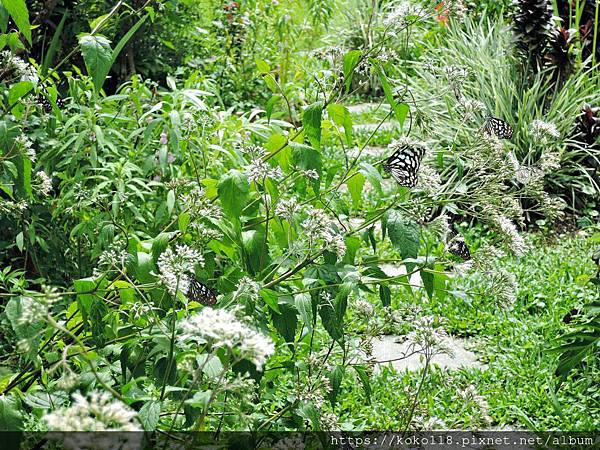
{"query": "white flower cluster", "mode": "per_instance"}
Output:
(259, 170)
(175, 266)
(26, 146)
(44, 185)
(247, 287)
(98, 412)
(199, 206)
(318, 226)
(516, 242)
(400, 14)
(429, 339)
(287, 209)
(544, 130)
(525, 175)
(221, 328)
(16, 66)
(471, 108)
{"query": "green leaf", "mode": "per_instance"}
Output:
(304, 307)
(233, 193)
(11, 418)
(3, 20)
(307, 158)
(364, 378)
(355, 186)
(255, 249)
(286, 322)
(385, 295)
(19, 241)
(335, 380)
(262, 66)
(349, 63)
(56, 41)
(170, 201)
(149, 415)
(18, 11)
(271, 299)
(97, 55)
(371, 174)
(311, 120)
(24, 176)
(123, 41)
(341, 117)
(18, 91)
(400, 109)
(428, 282)
(45, 400)
(405, 234)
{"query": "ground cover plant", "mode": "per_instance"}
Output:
(213, 214)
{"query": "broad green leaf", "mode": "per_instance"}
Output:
(271, 299)
(11, 418)
(256, 250)
(19, 240)
(355, 186)
(372, 174)
(350, 61)
(20, 15)
(23, 164)
(97, 56)
(405, 234)
(304, 306)
(335, 380)
(233, 193)
(385, 295)
(311, 120)
(341, 117)
(428, 282)
(149, 415)
(262, 66)
(286, 322)
(18, 91)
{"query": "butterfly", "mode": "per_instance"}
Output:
(456, 244)
(199, 292)
(497, 127)
(404, 164)
(457, 247)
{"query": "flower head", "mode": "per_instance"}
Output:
(97, 412)
(174, 267)
(221, 328)
(544, 130)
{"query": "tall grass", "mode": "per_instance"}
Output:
(495, 78)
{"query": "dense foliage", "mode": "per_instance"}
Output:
(198, 230)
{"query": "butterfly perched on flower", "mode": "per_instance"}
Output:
(497, 127)
(458, 247)
(404, 164)
(201, 293)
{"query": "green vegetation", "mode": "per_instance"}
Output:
(200, 228)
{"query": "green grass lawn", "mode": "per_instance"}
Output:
(519, 388)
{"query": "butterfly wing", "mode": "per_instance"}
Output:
(201, 293)
(404, 165)
(458, 248)
(498, 128)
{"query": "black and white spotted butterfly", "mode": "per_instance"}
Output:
(201, 293)
(404, 164)
(497, 127)
(458, 247)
